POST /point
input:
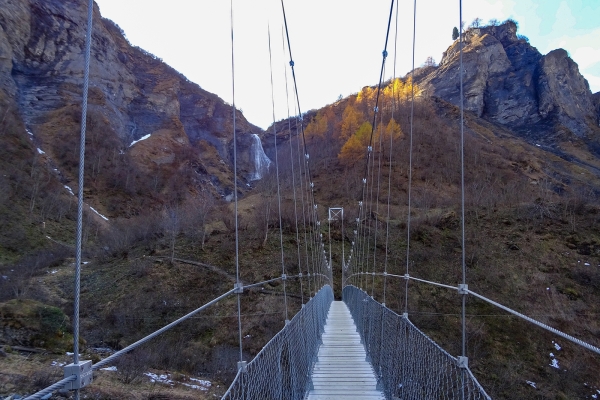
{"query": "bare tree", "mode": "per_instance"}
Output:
(477, 23)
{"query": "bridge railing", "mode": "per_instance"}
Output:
(408, 364)
(281, 370)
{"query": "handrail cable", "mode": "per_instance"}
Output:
(277, 177)
(127, 349)
(573, 339)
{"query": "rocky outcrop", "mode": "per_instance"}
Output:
(132, 93)
(596, 101)
(510, 82)
(564, 93)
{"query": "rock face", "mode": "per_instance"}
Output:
(510, 82)
(132, 93)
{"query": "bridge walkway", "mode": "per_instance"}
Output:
(341, 371)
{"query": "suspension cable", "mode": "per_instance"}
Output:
(235, 189)
(462, 189)
(78, 238)
(381, 132)
(277, 176)
(375, 111)
(287, 101)
(387, 224)
(410, 154)
(314, 212)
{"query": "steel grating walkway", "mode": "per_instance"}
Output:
(341, 371)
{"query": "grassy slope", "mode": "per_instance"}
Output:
(522, 237)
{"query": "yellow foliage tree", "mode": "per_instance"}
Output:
(395, 87)
(391, 132)
(351, 120)
(317, 128)
(355, 147)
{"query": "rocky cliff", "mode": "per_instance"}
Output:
(133, 94)
(508, 81)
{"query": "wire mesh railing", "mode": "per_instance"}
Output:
(281, 370)
(408, 364)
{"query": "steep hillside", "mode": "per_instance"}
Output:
(162, 242)
(133, 96)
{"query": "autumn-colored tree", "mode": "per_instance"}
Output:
(393, 89)
(317, 128)
(382, 141)
(355, 147)
(351, 120)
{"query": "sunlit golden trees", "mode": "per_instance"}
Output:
(355, 147)
(318, 127)
(391, 132)
(400, 90)
(351, 120)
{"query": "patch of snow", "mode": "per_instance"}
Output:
(58, 364)
(202, 384)
(70, 354)
(41, 151)
(547, 288)
(586, 264)
(555, 363)
(113, 369)
(532, 384)
(53, 271)
(556, 345)
(85, 262)
(205, 383)
(139, 140)
(538, 145)
(29, 132)
(92, 208)
(247, 336)
(70, 190)
(163, 378)
(4, 277)
(594, 396)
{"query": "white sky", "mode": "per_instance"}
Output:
(336, 44)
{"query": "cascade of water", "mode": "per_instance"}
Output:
(261, 161)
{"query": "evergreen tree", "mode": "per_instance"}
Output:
(455, 33)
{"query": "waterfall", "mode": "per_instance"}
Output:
(260, 159)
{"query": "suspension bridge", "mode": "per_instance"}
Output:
(352, 349)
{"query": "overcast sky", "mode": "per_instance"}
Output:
(336, 44)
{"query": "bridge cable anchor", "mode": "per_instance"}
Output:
(242, 366)
(463, 289)
(83, 374)
(238, 287)
(462, 362)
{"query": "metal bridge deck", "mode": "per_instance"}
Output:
(342, 371)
